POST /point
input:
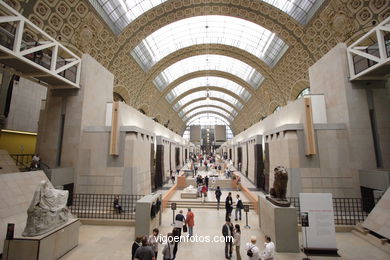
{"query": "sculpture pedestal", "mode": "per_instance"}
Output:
(280, 223)
(51, 245)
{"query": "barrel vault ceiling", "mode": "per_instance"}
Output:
(79, 26)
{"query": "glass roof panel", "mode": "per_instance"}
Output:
(209, 29)
(208, 119)
(208, 103)
(215, 94)
(203, 109)
(208, 62)
(300, 10)
(120, 13)
(208, 81)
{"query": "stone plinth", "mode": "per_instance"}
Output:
(188, 195)
(144, 223)
(280, 223)
(51, 245)
(181, 182)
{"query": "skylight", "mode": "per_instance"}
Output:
(120, 13)
(208, 103)
(208, 109)
(206, 82)
(216, 94)
(209, 29)
(208, 62)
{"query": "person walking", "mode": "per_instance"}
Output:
(206, 180)
(135, 246)
(168, 248)
(190, 220)
(204, 192)
(145, 252)
(229, 205)
(227, 232)
(237, 240)
(239, 207)
(269, 250)
(218, 194)
(176, 236)
(252, 251)
(153, 241)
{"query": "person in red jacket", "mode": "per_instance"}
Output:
(190, 222)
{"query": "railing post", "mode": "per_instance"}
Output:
(18, 36)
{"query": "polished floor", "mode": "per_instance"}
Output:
(114, 242)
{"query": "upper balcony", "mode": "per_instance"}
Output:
(369, 56)
(30, 52)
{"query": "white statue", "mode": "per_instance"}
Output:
(47, 210)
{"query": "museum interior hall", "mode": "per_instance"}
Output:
(194, 129)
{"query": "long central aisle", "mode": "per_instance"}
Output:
(114, 242)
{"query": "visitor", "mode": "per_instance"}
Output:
(218, 194)
(227, 232)
(206, 180)
(35, 162)
(173, 178)
(269, 250)
(239, 207)
(229, 205)
(237, 240)
(180, 220)
(153, 241)
(168, 248)
(136, 244)
(252, 251)
(117, 206)
(204, 192)
(144, 252)
(176, 232)
(190, 221)
(199, 191)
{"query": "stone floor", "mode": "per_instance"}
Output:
(114, 242)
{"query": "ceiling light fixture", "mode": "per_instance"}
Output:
(207, 95)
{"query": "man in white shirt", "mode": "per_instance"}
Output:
(254, 250)
(269, 250)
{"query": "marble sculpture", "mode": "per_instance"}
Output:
(47, 210)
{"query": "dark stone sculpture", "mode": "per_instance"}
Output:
(278, 192)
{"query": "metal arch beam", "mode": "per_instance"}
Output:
(211, 98)
(227, 111)
(209, 73)
(211, 88)
(210, 112)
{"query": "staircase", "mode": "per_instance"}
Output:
(184, 204)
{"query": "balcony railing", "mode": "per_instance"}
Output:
(101, 206)
(347, 211)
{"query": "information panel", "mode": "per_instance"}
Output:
(320, 229)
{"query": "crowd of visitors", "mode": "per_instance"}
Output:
(147, 248)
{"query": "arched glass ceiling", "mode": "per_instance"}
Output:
(208, 62)
(120, 13)
(208, 81)
(208, 103)
(210, 29)
(215, 94)
(205, 109)
(208, 119)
